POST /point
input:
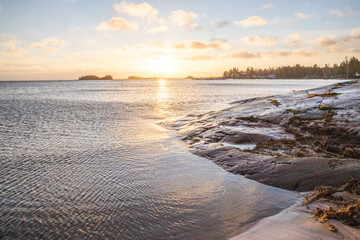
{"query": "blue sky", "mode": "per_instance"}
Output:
(62, 39)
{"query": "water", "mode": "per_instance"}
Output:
(86, 160)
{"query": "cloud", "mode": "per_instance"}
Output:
(9, 43)
(355, 33)
(286, 53)
(49, 44)
(337, 13)
(143, 10)
(0, 8)
(326, 41)
(354, 51)
(159, 29)
(252, 22)
(117, 23)
(198, 58)
(351, 12)
(279, 53)
(301, 15)
(259, 40)
(218, 40)
(305, 53)
(204, 45)
(184, 19)
(245, 55)
(293, 40)
(180, 46)
(198, 45)
(221, 24)
(267, 6)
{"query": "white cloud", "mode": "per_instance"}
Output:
(293, 40)
(184, 19)
(205, 45)
(278, 53)
(267, 6)
(305, 53)
(117, 23)
(252, 21)
(301, 15)
(351, 12)
(355, 33)
(337, 13)
(326, 41)
(259, 40)
(49, 44)
(158, 29)
(245, 55)
(198, 58)
(143, 10)
(9, 44)
(198, 45)
(221, 24)
(354, 50)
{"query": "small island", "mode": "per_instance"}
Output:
(94, 77)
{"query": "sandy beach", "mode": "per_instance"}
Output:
(295, 223)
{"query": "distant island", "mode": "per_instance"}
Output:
(94, 77)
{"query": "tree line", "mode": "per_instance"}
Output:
(349, 68)
(94, 77)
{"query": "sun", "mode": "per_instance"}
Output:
(161, 64)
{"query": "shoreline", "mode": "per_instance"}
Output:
(301, 140)
(219, 79)
(294, 134)
(295, 223)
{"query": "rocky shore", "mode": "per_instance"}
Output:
(299, 141)
(296, 141)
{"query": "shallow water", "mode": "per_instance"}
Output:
(86, 160)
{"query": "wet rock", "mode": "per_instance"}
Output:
(324, 144)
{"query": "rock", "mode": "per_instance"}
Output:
(321, 136)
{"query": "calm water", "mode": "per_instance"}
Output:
(85, 160)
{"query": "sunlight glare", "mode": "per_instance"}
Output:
(162, 82)
(161, 65)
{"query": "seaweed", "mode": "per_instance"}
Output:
(275, 102)
(349, 215)
(325, 108)
(327, 94)
(346, 210)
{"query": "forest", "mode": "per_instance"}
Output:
(349, 68)
(94, 77)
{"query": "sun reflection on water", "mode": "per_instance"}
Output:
(162, 82)
(163, 95)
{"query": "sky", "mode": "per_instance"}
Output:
(65, 39)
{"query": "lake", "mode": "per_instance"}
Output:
(87, 160)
